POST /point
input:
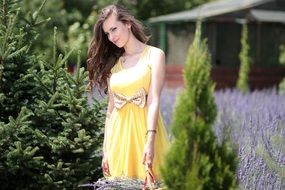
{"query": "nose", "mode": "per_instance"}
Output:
(111, 37)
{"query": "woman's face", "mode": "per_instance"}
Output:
(116, 31)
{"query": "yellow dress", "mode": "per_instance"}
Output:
(128, 124)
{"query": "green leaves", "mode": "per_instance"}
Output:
(196, 160)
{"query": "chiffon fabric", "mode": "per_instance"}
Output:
(127, 127)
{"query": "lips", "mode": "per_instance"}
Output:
(115, 41)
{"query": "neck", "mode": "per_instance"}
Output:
(133, 45)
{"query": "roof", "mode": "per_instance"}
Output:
(268, 16)
(209, 10)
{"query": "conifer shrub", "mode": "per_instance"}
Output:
(243, 76)
(50, 137)
(282, 62)
(195, 160)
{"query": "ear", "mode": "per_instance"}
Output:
(128, 24)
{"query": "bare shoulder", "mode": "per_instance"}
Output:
(157, 57)
(156, 52)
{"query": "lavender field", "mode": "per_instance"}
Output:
(255, 123)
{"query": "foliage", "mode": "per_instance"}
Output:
(50, 138)
(16, 40)
(282, 55)
(74, 19)
(242, 82)
(282, 62)
(150, 8)
(196, 160)
(78, 36)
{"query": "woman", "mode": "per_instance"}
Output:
(132, 73)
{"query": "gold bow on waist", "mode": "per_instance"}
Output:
(139, 98)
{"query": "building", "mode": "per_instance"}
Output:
(222, 24)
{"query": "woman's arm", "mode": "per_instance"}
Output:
(105, 163)
(108, 115)
(157, 58)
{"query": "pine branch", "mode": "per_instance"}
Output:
(54, 44)
(4, 12)
(59, 62)
(33, 17)
(7, 47)
(7, 8)
(39, 79)
(36, 13)
(17, 53)
(22, 119)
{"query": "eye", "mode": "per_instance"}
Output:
(114, 29)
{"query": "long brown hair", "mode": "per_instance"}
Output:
(103, 54)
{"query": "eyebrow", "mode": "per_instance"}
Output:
(110, 29)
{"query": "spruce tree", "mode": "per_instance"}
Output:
(243, 81)
(195, 160)
(15, 57)
(50, 137)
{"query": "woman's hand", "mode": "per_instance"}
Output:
(148, 154)
(105, 165)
